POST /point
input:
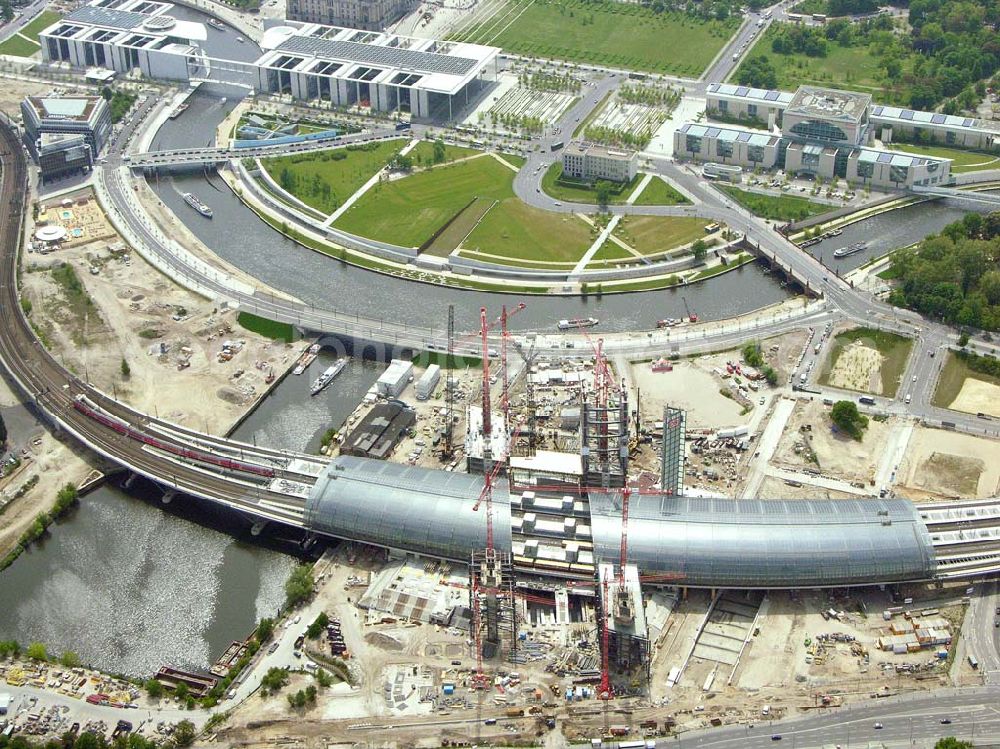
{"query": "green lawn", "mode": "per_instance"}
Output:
(423, 153)
(515, 230)
(408, 211)
(962, 160)
(652, 234)
(852, 68)
(42, 20)
(19, 47)
(894, 348)
(573, 192)
(342, 170)
(610, 251)
(776, 207)
(605, 32)
(660, 192)
(265, 327)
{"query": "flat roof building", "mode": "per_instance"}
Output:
(386, 72)
(828, 115)
(308, 61)
(86, 116)
(61, 155)
(591, 162)
(378, 433)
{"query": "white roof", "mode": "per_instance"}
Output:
(551, 461)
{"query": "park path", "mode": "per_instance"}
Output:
(372, 181)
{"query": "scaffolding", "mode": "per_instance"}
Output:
(491, 594)
(604, 440)
(672, 451)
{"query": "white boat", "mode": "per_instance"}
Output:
(216, 24)
(328, 376)
(195, 202)
(850, 249)
(578, 322)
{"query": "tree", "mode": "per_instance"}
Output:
(299, 585)
(758, 72)
(88, 740)
(126, 369)
(700, 250)
(184, 733)
(845, 416)
(265, 628)
(439, 151)
(70, 659)
(154, 689)
(603, 190)
(37, 652)
(963, 339)
(950, 742)
(181, 691)
(6, 12)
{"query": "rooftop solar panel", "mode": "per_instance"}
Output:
(884, 158)
(743, 137)
(938, 119)
(386, 57)
(771, 96)
(742, 91)
(968, 122)
(876, 110)
(712, 132)
(115, 19)
(906, 114)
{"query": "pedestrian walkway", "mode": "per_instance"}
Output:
(598, 243)
(646, 179)
(372, 181)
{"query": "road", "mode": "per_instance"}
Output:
(974, 716)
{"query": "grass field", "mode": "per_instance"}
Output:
(343, 176)
(853, 68)
(895, 348)
(18, 47)
(581, 193)
(776, 207)
(515, 230)
(423, 153)
(962, 160)
(652, 234)
(659, 192)
(605, 32)
(41, 21)
(408, 211)
(953, 376)
(609, 251)
(265, 327)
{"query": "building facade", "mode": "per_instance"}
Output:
(61, 155)
(735, 103)
(345, 67)
(591, 162)
(357, 14)
(824, 132)
(86, 116)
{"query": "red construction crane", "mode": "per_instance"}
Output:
(604, 690)
(484, 331)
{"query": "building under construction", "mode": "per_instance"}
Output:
(621, 609)
(491, 598)
(604, 437)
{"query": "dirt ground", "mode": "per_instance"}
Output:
(13, 91)
(858, 368)
(43, 458)
(941, 463)
(977, 396)
(132, 318)
(692, 386)
(836, 455)
(774, 488)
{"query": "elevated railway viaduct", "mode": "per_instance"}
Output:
(790, 543)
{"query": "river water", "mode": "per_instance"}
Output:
(131, 585)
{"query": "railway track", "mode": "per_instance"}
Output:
(54, 390)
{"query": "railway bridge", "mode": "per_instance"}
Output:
(399, 507)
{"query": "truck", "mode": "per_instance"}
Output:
(866, 400)
(402, 125)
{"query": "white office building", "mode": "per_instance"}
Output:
(591, 162)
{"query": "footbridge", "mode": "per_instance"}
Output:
(769, 543)
(212, 156)
(953, 193)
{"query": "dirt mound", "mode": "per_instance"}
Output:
(950, 475)
(383, 641)
(229, 395)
